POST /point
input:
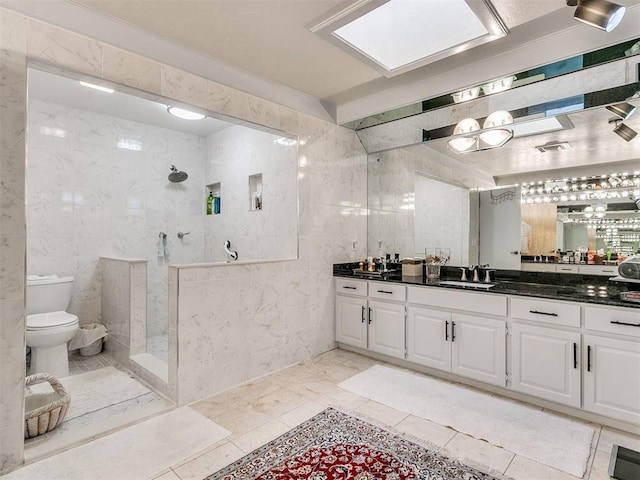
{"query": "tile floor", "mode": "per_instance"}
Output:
(122, 411)
(266, 408)
(79, 364)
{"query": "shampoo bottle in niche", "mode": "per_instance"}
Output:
(216, 204)
(210, 203)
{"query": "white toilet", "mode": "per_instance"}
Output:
(49, 327)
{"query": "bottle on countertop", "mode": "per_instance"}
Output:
(210, 203)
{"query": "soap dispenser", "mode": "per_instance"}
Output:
(210, 203)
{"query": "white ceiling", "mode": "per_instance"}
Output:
(266, 47)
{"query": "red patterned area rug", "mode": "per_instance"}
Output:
(336, 446)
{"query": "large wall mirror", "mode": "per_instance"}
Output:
(568, 179)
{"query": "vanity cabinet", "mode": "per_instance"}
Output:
(581, 355)
(479, 348)
(612, 377)
(351, 323)
(386, 328)
(466, 345)
(428, 338)
(545, 362)
(612, 365)
(370, 323)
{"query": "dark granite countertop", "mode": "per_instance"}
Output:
(593, 289)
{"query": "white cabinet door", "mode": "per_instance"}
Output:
(351, 324)
(545, 363)
(428, 338)
(612, 377)
(479, 348)
(386, 328)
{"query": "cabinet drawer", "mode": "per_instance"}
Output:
(625, 321)
(605, 270)
(567, 268)
(546, 311)
(458, 300)
(388, 291)
(538, 267)
(351, 287)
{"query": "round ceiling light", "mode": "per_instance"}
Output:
(185, 114)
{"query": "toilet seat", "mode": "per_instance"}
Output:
(43, 321)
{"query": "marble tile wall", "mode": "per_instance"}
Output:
(295, 298)
(116, 306)
(13, 98)
(233, 154)
(88, 197)
(442, 219)
(393, 197)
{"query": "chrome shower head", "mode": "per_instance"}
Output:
(176, 176)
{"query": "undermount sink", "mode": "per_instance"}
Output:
(467, 284)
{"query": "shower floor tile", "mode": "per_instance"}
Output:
(79, 364)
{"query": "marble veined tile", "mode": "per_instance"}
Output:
(141, 450)
(63, 48)
(13, 31)
(130, 69)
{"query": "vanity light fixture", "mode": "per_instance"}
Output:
(185, 114)
(466, 95)
(498, 85)
(623, 131)
(598, 13)
(471, 139)
(97, 87)
(598, 211)
(624, 110)
(467, 141)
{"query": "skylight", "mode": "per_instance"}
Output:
(401, 32)
(400, 35)
(540, 125)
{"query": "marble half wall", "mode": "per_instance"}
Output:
(124, 307)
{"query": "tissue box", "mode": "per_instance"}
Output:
(412, 267)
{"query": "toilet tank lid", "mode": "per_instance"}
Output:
(47, 279)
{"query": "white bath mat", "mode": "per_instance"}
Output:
(137, 452)
(546, 438)
(97, 389)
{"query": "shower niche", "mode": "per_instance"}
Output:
(255, 192)
(214, 199)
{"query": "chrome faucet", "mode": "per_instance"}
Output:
(487, 278)
(474, 269)
(464, 274)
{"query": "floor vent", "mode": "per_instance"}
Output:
(624, 463)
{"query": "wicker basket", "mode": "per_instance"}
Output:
(44, 411)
